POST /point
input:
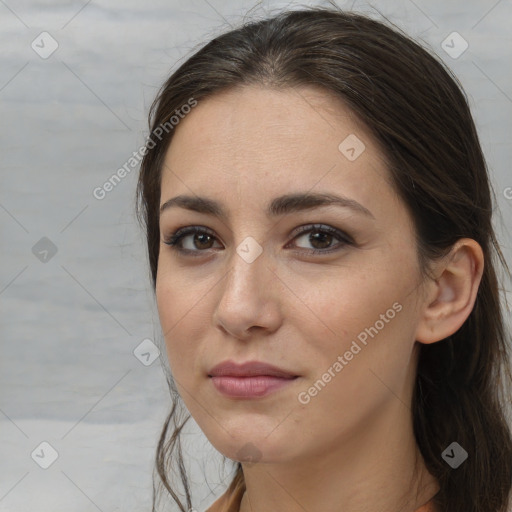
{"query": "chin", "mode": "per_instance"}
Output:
(252, 444)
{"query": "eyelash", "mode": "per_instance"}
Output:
(175, 238)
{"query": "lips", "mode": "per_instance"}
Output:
(249, 369)
(250, 380)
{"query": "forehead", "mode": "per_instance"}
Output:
(251, 117)
(269, 140)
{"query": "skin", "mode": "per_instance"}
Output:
(352, 446)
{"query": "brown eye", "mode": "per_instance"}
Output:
(321, 237)
(194, 240)
(200, 240)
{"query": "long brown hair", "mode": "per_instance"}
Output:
(418, 111)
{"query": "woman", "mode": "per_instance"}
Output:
(323, 259)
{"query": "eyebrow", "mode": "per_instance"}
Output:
(279, 206)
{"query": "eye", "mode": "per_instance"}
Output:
(321, 238)
(201, 239)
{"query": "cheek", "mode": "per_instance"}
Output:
(335, 307)
(363, 316)
(167, 303)
(175, 295)
(177, 311)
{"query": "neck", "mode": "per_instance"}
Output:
(377, 467)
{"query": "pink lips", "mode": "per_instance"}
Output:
(250, 379)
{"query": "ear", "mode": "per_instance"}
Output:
(449, 299)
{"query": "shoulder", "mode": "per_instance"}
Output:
(428, 507)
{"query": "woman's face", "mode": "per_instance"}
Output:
(250, 288)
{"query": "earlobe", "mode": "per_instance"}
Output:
(451, 297)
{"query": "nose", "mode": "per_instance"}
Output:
(249, 298)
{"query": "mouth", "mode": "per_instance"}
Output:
(250, 387)
(249, 369)
(253, 379)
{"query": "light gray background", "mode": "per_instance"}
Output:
(69, 326)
